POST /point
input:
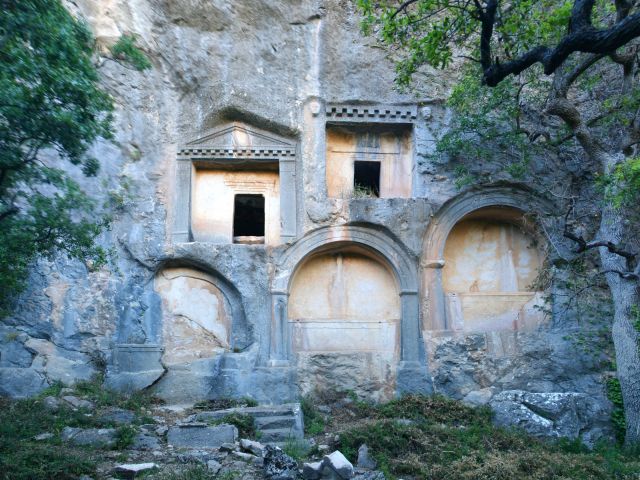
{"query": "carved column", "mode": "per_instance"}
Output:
(279, 355)
(288, 199)
(437, 303)
(410, 327)
(182, 212)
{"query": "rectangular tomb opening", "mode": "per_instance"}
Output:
(366, 178)
(248, 219)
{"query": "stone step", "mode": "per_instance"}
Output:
(276, 423)
(256, 412)
(268, 423)
(279, 435)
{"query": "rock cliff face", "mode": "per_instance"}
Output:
(248, 100)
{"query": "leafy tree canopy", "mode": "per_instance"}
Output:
(50, 105)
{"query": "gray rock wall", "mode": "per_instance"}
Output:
(275, 65)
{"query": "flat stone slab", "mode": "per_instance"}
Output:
(118, 416)
(131, 470)
(93, 437)
(201, 435)
(287, 409)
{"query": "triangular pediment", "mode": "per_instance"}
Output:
(237, 135)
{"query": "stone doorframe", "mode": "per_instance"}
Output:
(215, 148)
(380, 243)
(517, 197)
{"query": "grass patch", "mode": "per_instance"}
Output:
(296, 449)
(313, 420)
(103, 397)
(245, 424)
(438, 438)
(23, 458)
(126, 434)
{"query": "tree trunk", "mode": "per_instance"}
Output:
(626, 338)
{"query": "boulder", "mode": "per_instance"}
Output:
(555, 414)
(52, 404)
(312, 470)
(196, 456)
(143, 441)
(199, 435)
(251, 446)
(364, 459)
(213, 466)
(247, 457)
(229, 447)
(20, 382)
(131, 470)
(334, 467)
(339, 464)
(278, 465)
(92, 437)
(76, 402)
(118, 416)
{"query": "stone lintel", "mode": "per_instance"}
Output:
(343, 112)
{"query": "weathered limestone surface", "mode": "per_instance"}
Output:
(195, 435)
(192, 316)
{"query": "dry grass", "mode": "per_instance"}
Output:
(435, 438)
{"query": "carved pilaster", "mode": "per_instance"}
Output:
(182, 222)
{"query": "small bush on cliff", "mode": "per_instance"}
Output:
(51, 110)
(125, 49)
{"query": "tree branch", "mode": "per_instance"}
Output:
(402, 7)
(583, 245)
(8, 212)
(582, 37)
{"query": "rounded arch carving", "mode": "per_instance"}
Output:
(379, 243)
(513, 200)
(381, 247)
(206, 304)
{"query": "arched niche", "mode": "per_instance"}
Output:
(202, 315)
(372, 247)
(480, 259)
(344, 314)
(345, 300)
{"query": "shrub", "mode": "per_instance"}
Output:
(125, 49)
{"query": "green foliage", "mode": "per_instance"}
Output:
(103, 397)
(50, 102)
(361, 191)
(430, 31)
(23, 458)
(296, 448)
(313, 419)
(125, 435)
(622, 186)
(125, 49)
(614, 393)
(244, 423)
(438, 438)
